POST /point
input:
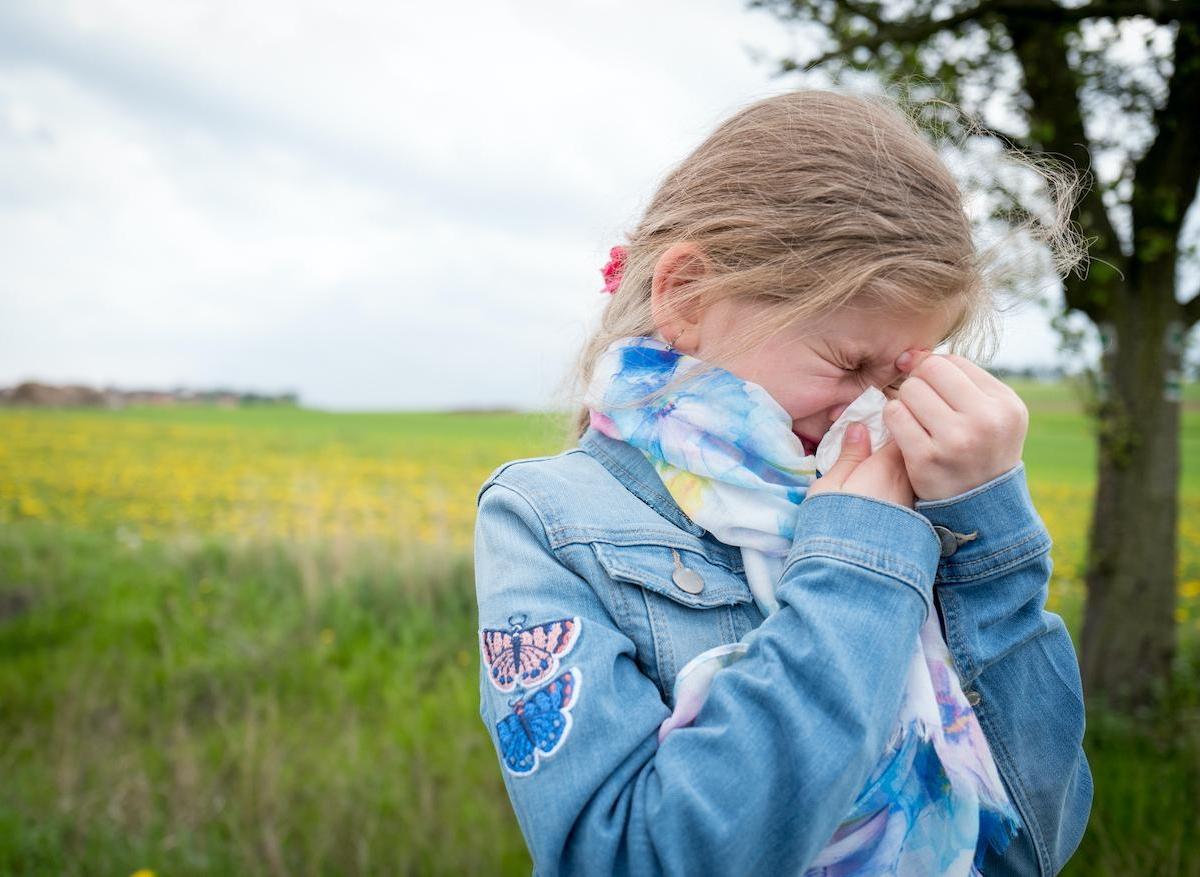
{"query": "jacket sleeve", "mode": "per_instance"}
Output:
(1019, 661)
(785, 740)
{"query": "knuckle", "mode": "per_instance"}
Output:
(935, 455)
(932, 364)
(995, 422)
(1010, 416)
(959, 440)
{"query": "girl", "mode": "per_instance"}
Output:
(699, 657)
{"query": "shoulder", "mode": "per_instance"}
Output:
(535, 476)
(574, 498)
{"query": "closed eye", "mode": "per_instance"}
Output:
(858, 369)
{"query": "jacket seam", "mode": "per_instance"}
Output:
(664, 540)
(595, 451)
(1020, 794)
(615, 462)
(956, 640)
(1044, 647)
(870, 556)
(905, 510)
(533, 507)
(695, 544)
(732, 594)
(862, 564)
(494, 477)
(624, 617)
(957, 643)
(950, 575)
(664, 648)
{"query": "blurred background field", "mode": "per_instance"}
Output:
(237, 640)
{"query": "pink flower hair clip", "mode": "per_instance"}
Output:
(613, 270)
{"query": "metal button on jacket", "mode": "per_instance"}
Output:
(686, 579)
(972, 696)
(951, 540)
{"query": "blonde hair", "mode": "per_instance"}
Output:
(808, 201)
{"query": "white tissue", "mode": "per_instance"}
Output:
(866, 409)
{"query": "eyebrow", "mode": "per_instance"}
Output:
(859, 358)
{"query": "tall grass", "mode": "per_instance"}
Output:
(202, 711)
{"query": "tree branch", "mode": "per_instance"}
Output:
(1166, 177)
(1159, 12)
(908, 30)
(1056, 124)
(870, 13)
(919, 28)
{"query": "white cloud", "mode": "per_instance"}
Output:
(385, 205)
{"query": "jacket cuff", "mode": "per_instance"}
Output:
(986, 529)
(882, 536)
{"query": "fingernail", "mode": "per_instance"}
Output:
(856, 432)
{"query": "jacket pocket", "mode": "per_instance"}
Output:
(675, 602)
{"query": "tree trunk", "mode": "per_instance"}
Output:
(1128, 636)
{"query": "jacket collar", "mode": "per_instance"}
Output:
(631, 467)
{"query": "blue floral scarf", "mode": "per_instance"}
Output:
(725, 450)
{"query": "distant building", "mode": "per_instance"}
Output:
(38, 394)
(1028, 372)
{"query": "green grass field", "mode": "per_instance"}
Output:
(243, 642)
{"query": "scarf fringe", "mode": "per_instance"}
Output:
(999, 821)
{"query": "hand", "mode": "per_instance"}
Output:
(956, 425)
(880, 475)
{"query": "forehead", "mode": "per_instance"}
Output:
(871, 334)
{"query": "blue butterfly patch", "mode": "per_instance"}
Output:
(538, 723)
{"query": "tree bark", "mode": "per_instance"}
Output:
(1128, 637)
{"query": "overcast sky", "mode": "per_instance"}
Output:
(392, 205)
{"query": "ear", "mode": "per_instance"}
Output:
(680, 265)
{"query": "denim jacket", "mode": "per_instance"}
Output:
(583, 627)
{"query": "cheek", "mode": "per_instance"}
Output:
(816, 394)
(800, 394)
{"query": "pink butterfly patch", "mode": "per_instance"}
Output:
(526, 656)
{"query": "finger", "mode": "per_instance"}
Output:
(983, 379)
(951, 383)
(890, 458)
(980, 376)
(924, 403)
(891, 451)
(856, 447)
(910, 436)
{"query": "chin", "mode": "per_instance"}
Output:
(809, 444)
